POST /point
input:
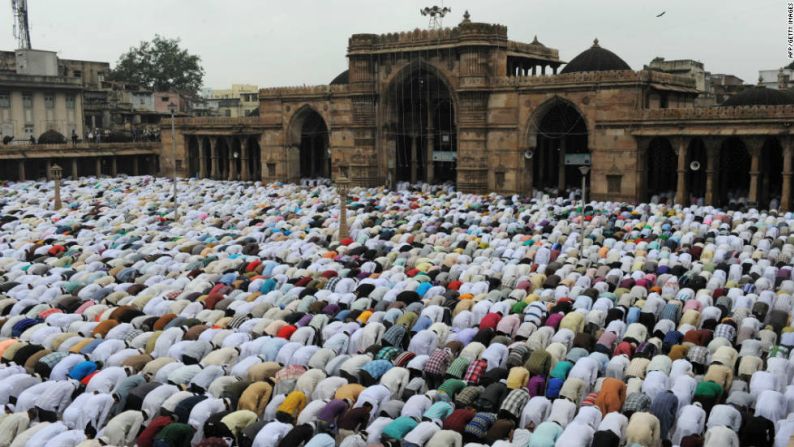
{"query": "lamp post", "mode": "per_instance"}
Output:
(236, 155)
(172, 107)
(343, 187)
(56, 172)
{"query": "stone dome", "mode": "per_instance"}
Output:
(342, 78)
(595, 58)
(760, 96)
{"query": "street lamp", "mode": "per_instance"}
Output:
(236, 155)
(56, 172)
(172, 107)
(343, 187)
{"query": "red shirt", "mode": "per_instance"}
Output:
(286, 331)
(458, 419)
(146, 437)
(489, 321)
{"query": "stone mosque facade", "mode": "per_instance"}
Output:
(467, 105)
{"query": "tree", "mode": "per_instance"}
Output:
(160, 65)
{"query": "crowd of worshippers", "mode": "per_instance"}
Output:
(444, 320)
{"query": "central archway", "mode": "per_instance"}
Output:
(421, 126)
(308, 132)
(559, 129)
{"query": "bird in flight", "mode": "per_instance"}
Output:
(661, 14)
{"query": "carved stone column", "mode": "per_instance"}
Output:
(785, 199)
(244, 175)
(113, 167)
(681, 150)
(98, 166)
(414, 164)
(712, 166)
(22, 170)
(232, 160)
(754, 148)
(75, 170)
(202, 158)
(215, 171)
(135, 169)
(561, 167)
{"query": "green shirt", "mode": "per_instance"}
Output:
(176, 434)
(458, 367)
(708, 389)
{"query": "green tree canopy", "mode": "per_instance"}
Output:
(790, 66)
(160, 65)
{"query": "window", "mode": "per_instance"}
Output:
(613, 184)
(271, 169)
(142, 100)
(165, 98)
(663, 101)
(227, 112)
(49, 101)
(179, 165)
(27, 101)
(77, 74)
(70, 102)
(5, 100)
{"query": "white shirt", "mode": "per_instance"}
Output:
(721, 437)
(771, 405)
(691, 420)
(576, 435)
(68, 438)
(422, 433)
(416, 405)
(615, 422)
(536, 410)
(562, 412)
(726, 416)
(271, 434)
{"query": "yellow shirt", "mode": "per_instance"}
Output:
(517, 378)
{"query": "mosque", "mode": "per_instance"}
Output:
(469, 106)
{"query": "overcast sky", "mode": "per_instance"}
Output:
(291, 42)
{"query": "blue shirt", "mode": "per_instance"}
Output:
(82, 369)
(377, 368)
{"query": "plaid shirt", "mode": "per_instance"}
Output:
(468, 396)
(291, 372)
(53, 358)
(479, 425)
(458, 367)
(394, 335)
(515, 401)
(725, 331)
(637, 401)
(438, 362)
(403, 358)
(697, 354)
(475, 371)
(387, 353)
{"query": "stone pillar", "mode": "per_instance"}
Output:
(244, 174)
(429, 150)
(414, 166)
(113, 166)
(214, 171)
(561, 168)
(135, 170)
(785, 198)
(75, 173)
(534, 70)
(98, 166)
(202, 158)
(232, 160)
(48, 165)
(22, 170)
(754, 148)
(681, 149)
(712, 165)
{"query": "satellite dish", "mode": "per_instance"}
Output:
(528, 154)
(695, 165)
